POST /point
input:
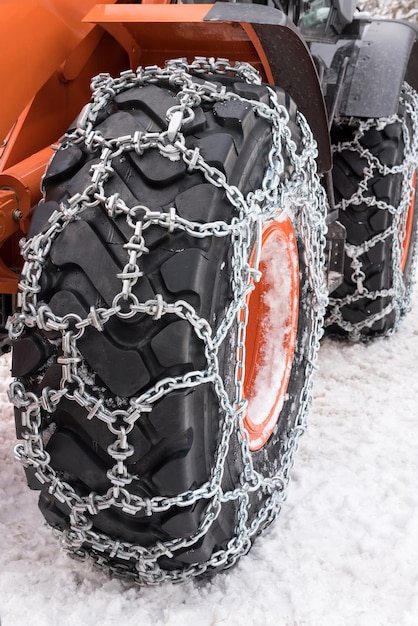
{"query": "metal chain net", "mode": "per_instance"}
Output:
(399, 293)
(298, 196)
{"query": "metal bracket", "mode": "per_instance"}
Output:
(334, 255)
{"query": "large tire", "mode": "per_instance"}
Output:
(130, 342)
(375, 164)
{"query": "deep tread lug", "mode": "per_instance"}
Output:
(219, 151)
(151, 99)
(69, 454)
(171, 345)
(29, 354)
(156, 169)
(64, 164)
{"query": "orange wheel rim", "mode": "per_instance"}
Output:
(409, 224)
(270, 343)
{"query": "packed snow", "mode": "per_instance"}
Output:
(394, 9)
(343, 551)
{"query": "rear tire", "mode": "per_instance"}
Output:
(127, 347)
(374, 173)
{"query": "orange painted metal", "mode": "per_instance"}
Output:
(24, 178)
(46, 63)
(59, 101)
(155, 32)
(19, 191)
(8, 220)
(36, 38)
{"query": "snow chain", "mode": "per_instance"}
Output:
(300, 197)
(399, 293)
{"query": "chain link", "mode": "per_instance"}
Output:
(401, 289)
(297, 195)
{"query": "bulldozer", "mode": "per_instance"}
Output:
(191, 194)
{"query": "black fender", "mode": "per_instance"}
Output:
(290, 61)
(370, 60)
(411, 75)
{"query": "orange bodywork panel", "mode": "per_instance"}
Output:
(36, 37)
(151, 34)
(19, 191)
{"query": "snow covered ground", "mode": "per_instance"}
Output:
(398, 9)
(343, 552)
